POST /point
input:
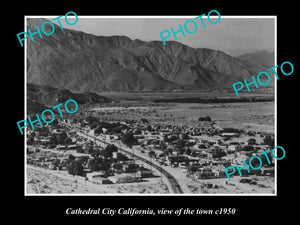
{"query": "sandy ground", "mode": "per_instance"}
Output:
(58, 182)
(40, 181)
(264, 185)
(258, 116)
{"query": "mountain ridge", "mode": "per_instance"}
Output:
(82, 62)
(262, 57)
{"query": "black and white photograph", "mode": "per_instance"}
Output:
(150, 105)
(127, 113)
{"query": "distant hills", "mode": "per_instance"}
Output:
(81, 62)
(263, 58)
(42, 97)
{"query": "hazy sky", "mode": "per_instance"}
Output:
(234, 36)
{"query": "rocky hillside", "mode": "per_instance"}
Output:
(262, 58)
(42, 97)
(83, 62)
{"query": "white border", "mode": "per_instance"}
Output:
(25, 108)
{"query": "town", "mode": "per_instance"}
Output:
(129, 151)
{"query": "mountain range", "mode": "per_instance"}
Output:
(263, 58)
(81, 62)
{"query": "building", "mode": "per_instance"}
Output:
(98, 177)
(61, 147)
(230, 135)
(125, 178)
(144, 172)
(72, 147)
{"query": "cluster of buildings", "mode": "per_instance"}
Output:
(44, 151)
(200, 151)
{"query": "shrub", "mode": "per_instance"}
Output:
(251, 141)
(207, 118)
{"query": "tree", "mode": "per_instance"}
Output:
(111, 148)
(104, 166)
(75, 168)
(207, 118)
(138, 131)
(248, 148)
(79, 149)
(231, 130)
(94, 164)
(143, 120)
(179, 144)
(269, 140)
(184, 136)
(162, 146)
(251, 133)
(149, 128)
(91, 119)
(95, 153)
(265, 161)
(180, 151)
(30, 140)
(220, 153)
(151, 154)
(252, 141)
(128, 139)
(226, 138)
(83, 159)
(194, 153)
(98, 130)
(188, 151)
(122, 157)
(93, 126)
(55, 163)
(169, 151)
(170, 138)
(71, 158)
(192, 169)
(108, 151)
(60, 138)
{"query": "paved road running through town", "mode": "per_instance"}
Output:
(175, 186)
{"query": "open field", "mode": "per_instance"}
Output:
(256, 116)
(261, 93)
(184, 108)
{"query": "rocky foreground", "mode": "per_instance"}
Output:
(40, 181)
